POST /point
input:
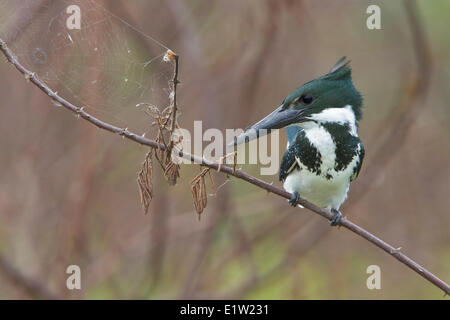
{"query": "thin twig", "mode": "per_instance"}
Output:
(175, 58)
(175, 84)
(33, 78)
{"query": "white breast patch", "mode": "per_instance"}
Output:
(321, 139)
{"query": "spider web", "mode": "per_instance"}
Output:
(109, 67)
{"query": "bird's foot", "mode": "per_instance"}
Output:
(336, 218)
(295, 197)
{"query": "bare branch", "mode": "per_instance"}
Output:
(393, 251)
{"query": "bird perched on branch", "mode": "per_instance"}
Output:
(324, 152)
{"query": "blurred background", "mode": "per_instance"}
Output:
(68, 192)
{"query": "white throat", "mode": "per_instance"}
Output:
(334, 115)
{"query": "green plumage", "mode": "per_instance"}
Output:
(333, 90)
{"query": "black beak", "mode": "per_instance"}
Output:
(279, 118)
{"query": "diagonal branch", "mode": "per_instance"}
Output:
(395, 252)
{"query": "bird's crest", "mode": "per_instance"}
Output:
(342, 62)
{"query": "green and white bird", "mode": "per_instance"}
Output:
(324, 152)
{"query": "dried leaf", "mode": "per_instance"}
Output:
(144, 181)
(198, 187)
(172, 172)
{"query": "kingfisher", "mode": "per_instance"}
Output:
(324, 153)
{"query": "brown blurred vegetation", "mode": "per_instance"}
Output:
(68, 192)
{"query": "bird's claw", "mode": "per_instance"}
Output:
(295, 197)
(336, 218)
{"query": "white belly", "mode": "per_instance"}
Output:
(317, 189)
(323, 192)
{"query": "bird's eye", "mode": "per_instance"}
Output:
(307, 98)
